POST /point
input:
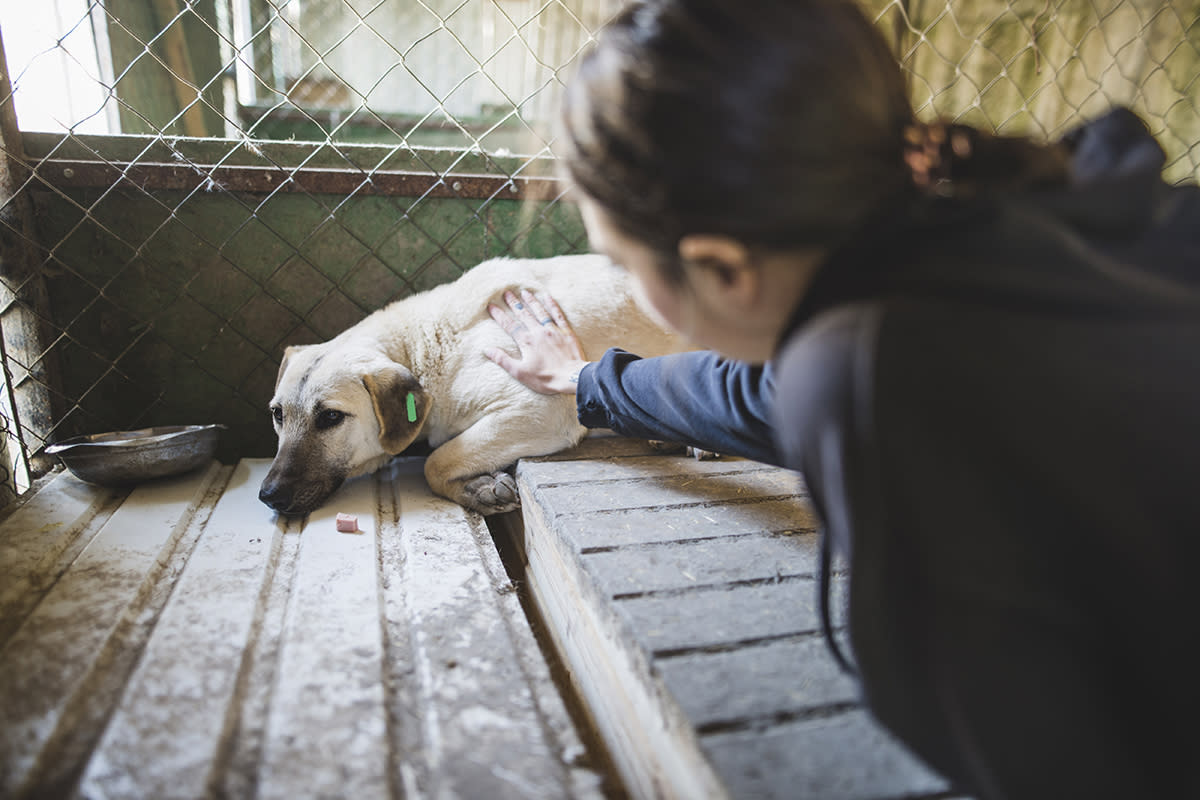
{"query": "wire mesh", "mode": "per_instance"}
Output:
(190, 185)
(1039, 67)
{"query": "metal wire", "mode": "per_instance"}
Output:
(298, 163)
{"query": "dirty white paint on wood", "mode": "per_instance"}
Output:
(673, 525)
(841, 757)
(654, 491)
(180, 640)
(651, 743)
(774, 679)
(45, 533)
(69, 653)
(167, 730)
(464, 619)
(683, 596)
(329, 693)
(705, 562)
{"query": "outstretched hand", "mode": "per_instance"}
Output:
(550, 354)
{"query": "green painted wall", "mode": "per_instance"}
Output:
(175, 309)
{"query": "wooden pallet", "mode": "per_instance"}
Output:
(681, 594)
(179, 640)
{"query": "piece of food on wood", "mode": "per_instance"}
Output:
(347, 523)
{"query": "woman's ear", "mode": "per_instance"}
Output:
(721, 266)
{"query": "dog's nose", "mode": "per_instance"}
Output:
(275, 496)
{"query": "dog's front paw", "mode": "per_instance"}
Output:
(493, 493)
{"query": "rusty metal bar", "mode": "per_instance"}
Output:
(23, 297)
(73, 174)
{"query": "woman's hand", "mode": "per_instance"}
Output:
(551, 356)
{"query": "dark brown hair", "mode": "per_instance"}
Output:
(783, 123)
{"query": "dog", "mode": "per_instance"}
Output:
(415, 371)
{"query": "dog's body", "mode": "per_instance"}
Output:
(415, 370)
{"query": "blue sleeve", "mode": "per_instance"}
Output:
(696, 398)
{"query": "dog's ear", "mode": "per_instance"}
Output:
(288, 352)
(401, 405)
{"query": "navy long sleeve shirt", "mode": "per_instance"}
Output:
(696, 398)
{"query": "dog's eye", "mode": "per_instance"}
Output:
(277, 413)
(328, 418)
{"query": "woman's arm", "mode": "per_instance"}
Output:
(696, 398)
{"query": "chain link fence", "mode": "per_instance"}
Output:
(187, 186)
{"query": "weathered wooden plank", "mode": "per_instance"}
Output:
(648, 736)
(664, 491)
(71, 653)
(328, 710)
(843, 757)
(168, 736)
(625, 467)
(709, 617)
(42, 536)
(648, 525)
(488, 726)
(240, 754)
(760, 682)
(685, 565)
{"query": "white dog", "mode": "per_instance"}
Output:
(415, 370)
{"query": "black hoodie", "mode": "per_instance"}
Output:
(995, 404)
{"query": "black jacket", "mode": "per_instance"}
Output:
(995, 405)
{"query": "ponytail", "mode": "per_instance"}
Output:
(951, 159)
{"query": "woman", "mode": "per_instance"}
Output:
(983, 359)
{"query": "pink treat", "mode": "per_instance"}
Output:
(347, 523)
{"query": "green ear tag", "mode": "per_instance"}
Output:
(412, 407)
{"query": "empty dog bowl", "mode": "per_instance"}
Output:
(124, 457)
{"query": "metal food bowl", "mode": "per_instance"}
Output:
(124, 457)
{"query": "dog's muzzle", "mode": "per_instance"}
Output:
(276, 497)
(295, 498)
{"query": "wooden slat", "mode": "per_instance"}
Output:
(647, 734)
(655, 490)
(639, 466)
(328, 687)
(166, 735)
(488, 727)
(40, 537)
(770, 680)
(70, 652)
(672, 566)
(698, 521)
(843, 757)
(722, 615)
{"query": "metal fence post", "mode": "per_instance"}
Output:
(24, 309)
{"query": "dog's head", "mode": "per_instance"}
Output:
(337, 414)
